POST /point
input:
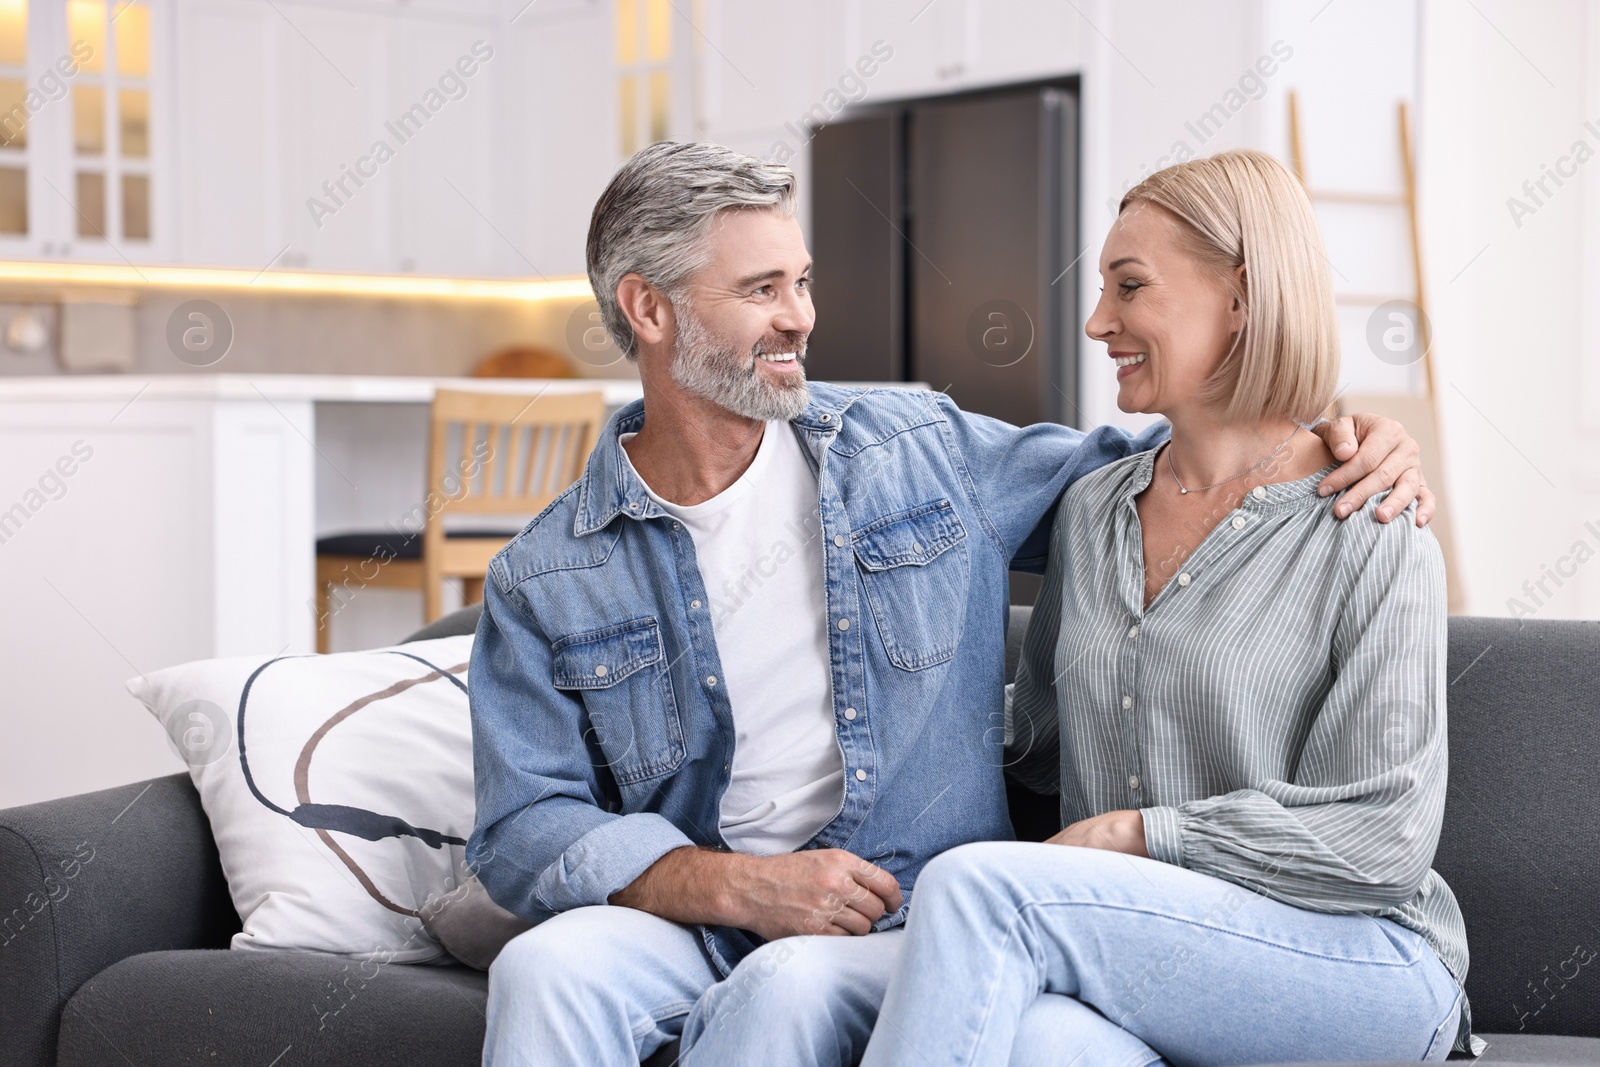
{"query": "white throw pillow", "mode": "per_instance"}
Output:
(344, 812)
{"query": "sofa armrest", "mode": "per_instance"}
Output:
(91, 879)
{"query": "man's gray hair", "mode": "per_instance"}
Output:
(654, 217)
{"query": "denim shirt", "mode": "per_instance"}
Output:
(602, 737)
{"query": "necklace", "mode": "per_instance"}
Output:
(1182, 490)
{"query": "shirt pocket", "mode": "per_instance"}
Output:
(914, 567)
(621, 676)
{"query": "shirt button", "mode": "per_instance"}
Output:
(838, 540)
(694, 604)
(1238, 522)
(844, 624)
(1133, 781)
(677, 526)
(827, 418)
(1133, 631)
(600, 671)
(634, 506)
(861, 776)
(1259, 492)
(1127, 702)
(1184, 579)
(850, 713)
(916, 547)
(711, 679)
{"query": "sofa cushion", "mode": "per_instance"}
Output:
(1515, 1048)
(470, 925)
(90, 879)
(219, 1007)
(1521, 841)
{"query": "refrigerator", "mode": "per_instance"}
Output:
(942, 232)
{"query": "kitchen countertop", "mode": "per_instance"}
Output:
(361, 388)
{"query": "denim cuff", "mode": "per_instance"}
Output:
(607, 859)
(1163, 835)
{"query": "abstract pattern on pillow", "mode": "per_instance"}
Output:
(338, 787)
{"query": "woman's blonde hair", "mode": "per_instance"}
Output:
(1243, 207)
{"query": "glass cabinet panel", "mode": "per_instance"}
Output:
(13, 113)
(111, 119)
(14, 118)
(89, 120)
(91, 203)
(13, 200)
(131, 27)
(86, 22)
(136, 206)
(13, 33)
(644, 79)
(133, 109)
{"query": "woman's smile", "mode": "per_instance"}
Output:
(1128, 363)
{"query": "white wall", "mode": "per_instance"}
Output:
(1149, 71)
(1506, 90)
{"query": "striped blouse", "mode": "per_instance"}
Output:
(1277, 713)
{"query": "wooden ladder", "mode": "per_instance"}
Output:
(1419, 414)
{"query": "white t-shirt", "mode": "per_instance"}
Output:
(761, 561)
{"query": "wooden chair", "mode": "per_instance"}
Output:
(494, 455)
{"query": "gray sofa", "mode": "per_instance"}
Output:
(129, 963)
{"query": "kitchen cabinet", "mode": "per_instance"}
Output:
(349, 137)
(228, 159)
(843, 57)
(840, 54)
(83, 130)
(333, 86)
(345, 135)
(443, 191)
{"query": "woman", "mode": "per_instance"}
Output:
(1240, 697)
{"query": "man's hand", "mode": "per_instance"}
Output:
(817, 891)
(1116, 831)
(1387, 458)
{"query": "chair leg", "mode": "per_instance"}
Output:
(324, 616)
(432, 593)
(471, 590)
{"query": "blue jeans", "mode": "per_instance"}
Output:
(1032, 954)
(606, 986)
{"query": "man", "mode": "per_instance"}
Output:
(733, 690)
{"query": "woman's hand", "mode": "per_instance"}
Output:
(1375, 454)
(1116, 831)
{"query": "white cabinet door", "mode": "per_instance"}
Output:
(761, 67)
(559, 143)
(1020, 40)
(334, 87)
(99, 131)
(445, 217)
(922, 37)
(337, 137)
(947, 45)
(232, 198)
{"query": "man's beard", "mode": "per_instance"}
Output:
(709, 368)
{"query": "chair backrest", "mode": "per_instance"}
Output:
(506, 454)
